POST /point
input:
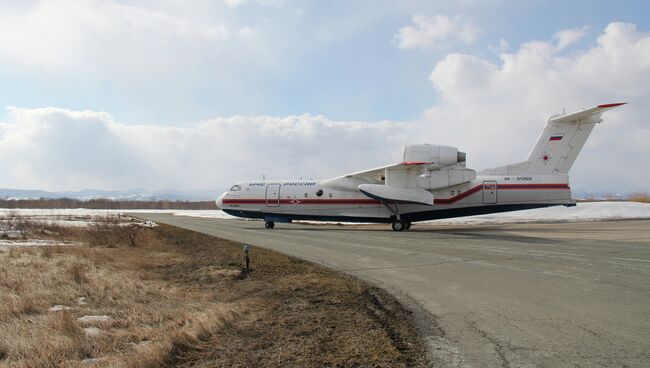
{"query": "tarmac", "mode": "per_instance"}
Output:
(517, 295)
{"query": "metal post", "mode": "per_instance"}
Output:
(246, 259)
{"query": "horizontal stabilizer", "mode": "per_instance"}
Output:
(390, 194)
(585, 114)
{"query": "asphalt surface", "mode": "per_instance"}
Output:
(538, 295)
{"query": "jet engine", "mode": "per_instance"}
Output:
(437, 155)
(424, 168)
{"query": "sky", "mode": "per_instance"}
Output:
(198, 95)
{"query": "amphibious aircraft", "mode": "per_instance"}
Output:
(431, 182)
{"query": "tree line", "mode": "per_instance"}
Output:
(107, 204)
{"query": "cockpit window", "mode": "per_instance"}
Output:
(235, 188)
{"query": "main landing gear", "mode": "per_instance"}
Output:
(399, 225)
(269, 224)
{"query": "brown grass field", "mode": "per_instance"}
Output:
(178, 298)
(639, 197)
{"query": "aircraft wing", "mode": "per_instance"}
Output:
(351, 181)
(379, 172)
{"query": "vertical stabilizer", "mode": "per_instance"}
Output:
(561, 141)
(559, 144)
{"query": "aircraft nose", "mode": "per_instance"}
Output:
(219, 201)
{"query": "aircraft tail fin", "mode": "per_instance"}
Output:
(561, 141)
(559, 144)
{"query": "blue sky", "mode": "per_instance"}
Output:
(334, 58)
(123, 94)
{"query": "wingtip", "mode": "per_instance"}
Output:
(612, 104)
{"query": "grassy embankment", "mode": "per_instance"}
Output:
(173, 297)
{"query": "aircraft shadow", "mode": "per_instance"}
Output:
(492, 232)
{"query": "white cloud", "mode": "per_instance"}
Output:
(435, 31)
(492, 110)
(234, 3)
(54, 148)
(237, 3)
(502, 47)
(112, 36)
(567, 37)
(500, 107)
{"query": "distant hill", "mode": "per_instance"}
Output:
(116, 195)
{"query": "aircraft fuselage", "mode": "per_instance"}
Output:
(287, 200)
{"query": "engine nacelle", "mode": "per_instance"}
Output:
(439, 155)
(445, 178)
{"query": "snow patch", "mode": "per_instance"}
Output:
(33, 243)
(588, 211)
(92, 360)
(74, 217)
(92, 331)
(58, 308)
(94, 319)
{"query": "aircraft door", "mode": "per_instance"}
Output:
(273, 195)
(489, 192)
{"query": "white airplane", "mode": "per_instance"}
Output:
(430, 183)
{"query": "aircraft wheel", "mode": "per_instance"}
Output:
(407, 225)
(398, 225)
(269, 224)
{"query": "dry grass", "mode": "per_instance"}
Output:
(16, 225)
(299, 314)
(642, 197)
(150, 318)
(110, 232)
(175, 297)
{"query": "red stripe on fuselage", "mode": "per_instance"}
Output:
(533, 186)
(459, 196)
(302, 201)
(362, 201)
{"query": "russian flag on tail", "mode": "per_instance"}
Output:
(556, 138)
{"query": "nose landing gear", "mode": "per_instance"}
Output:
(269, 224)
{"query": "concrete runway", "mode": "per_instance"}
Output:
(525, 295)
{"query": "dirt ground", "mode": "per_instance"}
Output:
(180, 298)
(297, 313)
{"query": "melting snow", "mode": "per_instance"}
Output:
(5, 244)
(588, 211)
(94, 319)
(92, 331)
(58, 308)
